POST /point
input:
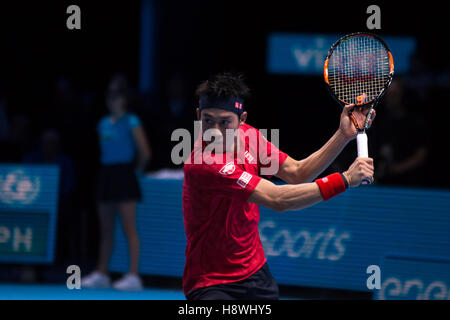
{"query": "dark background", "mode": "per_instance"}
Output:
(196, 39)
(56, 78)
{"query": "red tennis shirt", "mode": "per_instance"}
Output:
(223, 243)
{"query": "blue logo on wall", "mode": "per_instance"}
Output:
(305, 53)
(18, 187)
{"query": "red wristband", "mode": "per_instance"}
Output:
(331, 185)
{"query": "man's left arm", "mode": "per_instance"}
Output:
(301, 171)
(306, 170)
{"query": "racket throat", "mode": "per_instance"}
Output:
(355, 123)
(368, 117)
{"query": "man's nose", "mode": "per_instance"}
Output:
(216, 132)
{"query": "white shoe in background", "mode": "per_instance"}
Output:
(96, 280)
(129, 282)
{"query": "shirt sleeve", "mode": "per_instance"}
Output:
(134, 121)
(270, 158)
(229, 180)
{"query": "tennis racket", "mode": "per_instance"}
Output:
(358, 69)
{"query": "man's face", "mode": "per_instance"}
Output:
(215, 123)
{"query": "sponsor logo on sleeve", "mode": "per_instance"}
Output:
(244, 179)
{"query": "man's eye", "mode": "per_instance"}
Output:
(208, 121)
(225, 122)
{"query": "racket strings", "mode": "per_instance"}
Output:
(358, 66)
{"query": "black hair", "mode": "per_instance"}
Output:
(120, 87)
(224, 85)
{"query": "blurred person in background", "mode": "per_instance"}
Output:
(168, 111)
(18, 140)
(120, 135)
(3, 119)
(67, 111)
(178, 102)
(176, 114)
(49, 152)
(402, 137)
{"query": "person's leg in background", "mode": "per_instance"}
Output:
(127, 213)
(106, 213)
(100, 278)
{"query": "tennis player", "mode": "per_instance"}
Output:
(224, 254)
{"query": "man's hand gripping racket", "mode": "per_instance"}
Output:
(358, 69)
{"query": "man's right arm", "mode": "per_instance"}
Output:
(299, 196)
(285, 197)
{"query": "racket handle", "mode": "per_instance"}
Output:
(361, 142)
(363, 150)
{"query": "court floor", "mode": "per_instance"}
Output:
(60, 292)
(11, 291)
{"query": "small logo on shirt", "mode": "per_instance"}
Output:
(249, 157)
(325, 180)
(238, 105)
(228, 168)
(244, 179)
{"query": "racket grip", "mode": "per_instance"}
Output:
(363, 150)
(361, 142)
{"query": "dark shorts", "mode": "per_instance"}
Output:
(259, 286)
(117, 183)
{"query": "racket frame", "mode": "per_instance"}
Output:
(390, 75)
(361, 137)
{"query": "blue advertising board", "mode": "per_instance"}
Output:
(304, 53)
(415, 278)
(28, 212)
(160, 228)
(329, 245)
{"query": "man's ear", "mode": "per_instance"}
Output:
(243, 117)
(198, 113)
